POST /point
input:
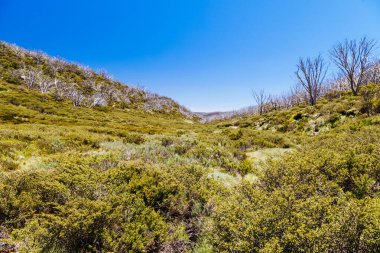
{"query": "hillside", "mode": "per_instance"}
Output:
(126, 175)
(80, 85)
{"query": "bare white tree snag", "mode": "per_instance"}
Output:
(56, 65)
(285, 101)
(44, 83)
(75, 95)
(353, 60)
(30, 76)
(39, 57)
(261, 99)
(372, 74)
(310, 75)
(20, 52)
(297, 95)
(108, 92)
(60, 89)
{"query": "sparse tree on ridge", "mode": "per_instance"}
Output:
(261, 99)
(353, 59)
(311, 74)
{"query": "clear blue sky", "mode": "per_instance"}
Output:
(206, 54)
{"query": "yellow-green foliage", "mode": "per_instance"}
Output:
(319, 199)
(115, 179)
(371, 98)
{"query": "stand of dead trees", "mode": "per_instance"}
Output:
(81, 85)
(261, 100)
(353, 58)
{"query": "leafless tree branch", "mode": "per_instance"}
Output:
(353, 59)
(311, 74)
(261, 99)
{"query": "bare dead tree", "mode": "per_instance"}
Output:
(109, 92)
(297, 95)
(44, 84)
(372, 74)
(311, 74)
(353, 59)
(20, 52)
(339, 83)
(38, 56)
(55, 66)
(87, 72)
(261, 99)
(285, 101)
(75, 95)
(60, 90)
(30, 76)
(34, 78)
(273, 103)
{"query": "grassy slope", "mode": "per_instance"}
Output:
(68, 173)
(23, 106)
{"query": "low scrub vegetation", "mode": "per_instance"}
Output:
(115, 178)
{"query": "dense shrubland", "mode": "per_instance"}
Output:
(323, 198)
(115, 178)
